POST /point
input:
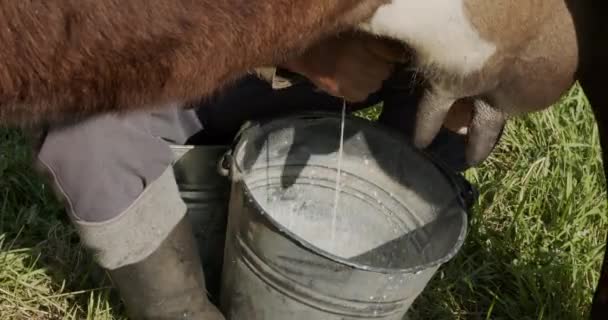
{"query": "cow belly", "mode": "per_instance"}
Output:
(437, 30)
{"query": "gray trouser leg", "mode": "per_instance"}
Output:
(115, 177)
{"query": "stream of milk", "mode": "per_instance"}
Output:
(338, 175)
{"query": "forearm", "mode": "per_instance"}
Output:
(63, 58)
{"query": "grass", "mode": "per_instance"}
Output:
(533, 251)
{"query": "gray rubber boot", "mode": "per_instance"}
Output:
(168, 284)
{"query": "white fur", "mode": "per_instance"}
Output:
(438, 30)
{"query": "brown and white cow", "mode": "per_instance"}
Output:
(74, 58)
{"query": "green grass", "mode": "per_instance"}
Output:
(44, 273)
(533, 251)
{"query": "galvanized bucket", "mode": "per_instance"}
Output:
(400, 217)
(206, 195)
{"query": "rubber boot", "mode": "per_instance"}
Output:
(168, 284)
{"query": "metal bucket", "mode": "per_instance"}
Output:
(206, 195)
(400, 217)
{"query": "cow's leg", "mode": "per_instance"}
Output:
(591, 30)
(599, 307)
(599, 102)
(594, 88)
(593, 69)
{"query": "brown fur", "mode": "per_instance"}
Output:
(537, 55)
(72, 58)
(535, 62)
(62, 59)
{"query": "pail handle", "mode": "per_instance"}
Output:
(224, 165)
(467, 193)
(226, 160)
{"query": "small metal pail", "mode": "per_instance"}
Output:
(400, 216)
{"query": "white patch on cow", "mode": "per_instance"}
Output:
(438, 30)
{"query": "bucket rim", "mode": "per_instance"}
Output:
(459, 203)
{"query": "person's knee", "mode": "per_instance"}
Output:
(99, 167)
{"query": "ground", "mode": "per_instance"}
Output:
(533, 251)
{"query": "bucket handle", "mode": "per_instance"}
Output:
(467, 193)
(225, 162)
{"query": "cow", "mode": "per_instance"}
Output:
(66, 59)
